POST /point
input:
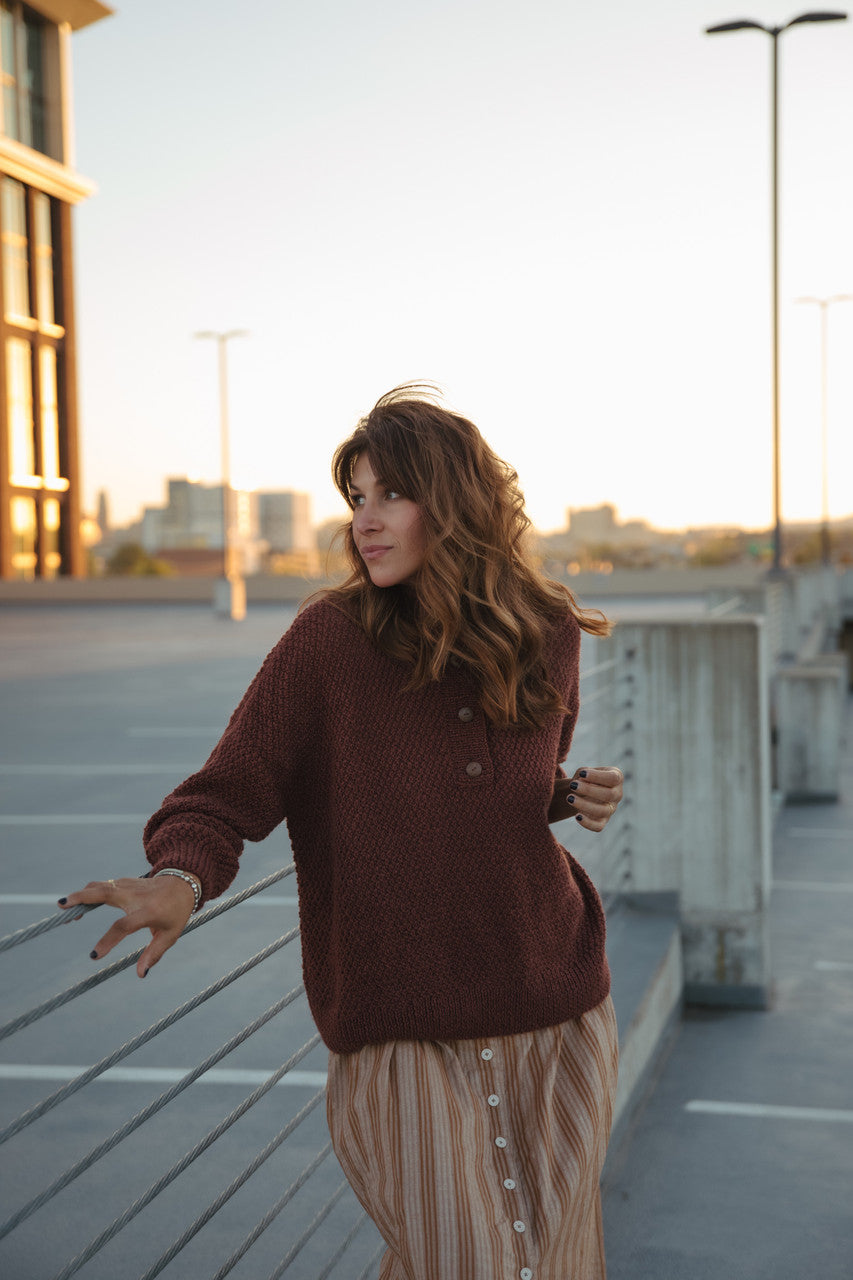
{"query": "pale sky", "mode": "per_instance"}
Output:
(558, 211)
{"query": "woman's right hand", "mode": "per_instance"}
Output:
(162, 904)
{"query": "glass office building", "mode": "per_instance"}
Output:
(39, 472)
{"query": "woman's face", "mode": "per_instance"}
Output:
(388, 529)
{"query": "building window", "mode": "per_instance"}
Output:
(49, 407)
(24, 558)
(22, 63)
(8, 74)
(19, 407)
(43, 233)
(51, 554)
(16, 267)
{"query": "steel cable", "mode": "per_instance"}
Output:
(147, 1112)
(273, 1212)
(307, 1233)
(118, 966)
(124, 1051)
(224, 1196)
(95, 1246)
(77, 913)
(372, 1263)
(343, 1246)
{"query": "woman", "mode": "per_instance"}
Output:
(409, 727)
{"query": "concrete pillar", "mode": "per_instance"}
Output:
(810, 701)
(229, 598)
(702, 794)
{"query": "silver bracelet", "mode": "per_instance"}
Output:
(187, 879)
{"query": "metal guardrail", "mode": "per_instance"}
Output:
(604, 737)
(299, 1234)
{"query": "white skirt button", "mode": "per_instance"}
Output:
(500, 1142)
(519, 1227)
(493, 1100)
(487, 1055)
(509, 1183)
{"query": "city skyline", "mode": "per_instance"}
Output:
(342, 515)
(564, 222)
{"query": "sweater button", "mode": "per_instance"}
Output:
(466, 715)
(474, 769)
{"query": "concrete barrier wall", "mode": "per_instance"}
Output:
(269, 588)
(845, 594)
(810, 709)
(701, 792)
(261, 589)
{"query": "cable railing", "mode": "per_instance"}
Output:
(278, 1208)
(604, 736)
(312, 1240)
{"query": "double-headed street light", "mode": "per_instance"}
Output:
(230, 599)
(747, 25)
(825, 304)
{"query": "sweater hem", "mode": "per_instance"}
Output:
(472, 1015)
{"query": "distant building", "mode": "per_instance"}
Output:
(268, 530)
(192, 521)
(284, 520)
(592, 524)
(39, 470)
(103, 514)
(191, 517)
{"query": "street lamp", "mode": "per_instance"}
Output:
(775, 32)
(825, 304)
(230, 599)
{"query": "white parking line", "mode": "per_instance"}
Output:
(157, 1075)
(818, 833)
(183, 731)
(815, 886)
(763, 1111)
(92, 770)
(72, 819)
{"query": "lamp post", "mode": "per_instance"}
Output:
(825, 304)
(230, 597)
(775, 32)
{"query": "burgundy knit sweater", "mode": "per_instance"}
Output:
(435, 902)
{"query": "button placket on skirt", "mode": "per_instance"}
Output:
(484, 1065)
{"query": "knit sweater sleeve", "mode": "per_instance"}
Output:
(243, 790)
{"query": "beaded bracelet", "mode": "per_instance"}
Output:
(188, 879)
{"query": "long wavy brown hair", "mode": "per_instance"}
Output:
(478, 597)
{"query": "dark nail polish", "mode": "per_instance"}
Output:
(147, 971)
(570, 799)
(578, 817)
(581, 773)
(62, 901)
(573, 786)
(93, 955)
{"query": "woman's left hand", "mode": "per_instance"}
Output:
(590, 796)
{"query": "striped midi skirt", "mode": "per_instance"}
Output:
(480, 1159)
